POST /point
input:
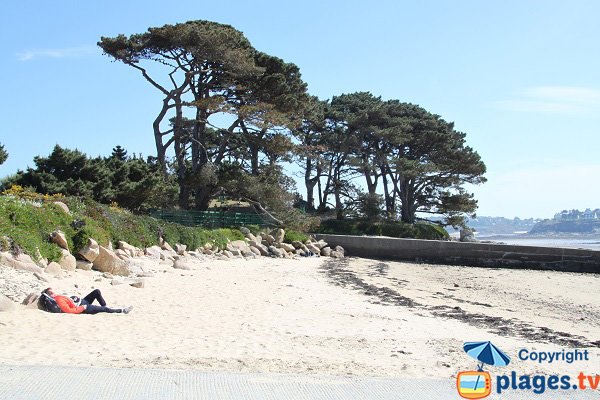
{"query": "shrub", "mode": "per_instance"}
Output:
(294, 236)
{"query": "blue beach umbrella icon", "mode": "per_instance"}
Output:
(486, 353)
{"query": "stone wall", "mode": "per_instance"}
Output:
(472, 254)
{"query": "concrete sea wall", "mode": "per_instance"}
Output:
(471, 254)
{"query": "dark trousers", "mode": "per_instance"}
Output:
(93, 309)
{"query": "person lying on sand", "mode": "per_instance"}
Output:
(67, 304)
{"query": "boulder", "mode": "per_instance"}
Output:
(90, 251)
(31, 301)
(208, 252)
(255, 251)
(180, 249)
(336, 254)
(84, 265)
(67, 261)
(269, 239)
(129, 249)
(278, 235)
(314, 248)
(207, 246)
(181, 264)
(7, 258)
(122, 254)
(228, 253)
(137, 284)
(264, 250)
(276, 252)
(117, 281)
(107, 261)
(297, 244)
(326, 251)
(153, 252)
(6, 304)
(250, 236)
(40, 261)
(340, 249)
(321, 243)
(244, 230)
(63, 207)
(164, 245)
(54, 269)
(240, 245)
(287, 247)
(59, 238)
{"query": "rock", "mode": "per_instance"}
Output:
(180, 248)
(287, 247)
(153, 252)
(59, 238)
(321, 243)
(40, 277)
(297, 244)
(299, 252)
(129, 249)
(107, 275)
(276, 252)
(164, 245)
(90, 251)
(222, 257)
(6, 304)
(7, 258)
(340, 249)
(40, 261)
(228, 253)
(250, 236)
(84, 265)
(336, 254)
(67, 261)
(240, 245)
(255, 251)
(137, 284)
(207, 246)
(264, 250)
(269, 239)
(181, 264)
(107, 261)
(117, 281)
(278, 235)
(208, 252)
(54, 269)
(31, 301)
(63, 207)
(326, 251)
(122, 254)
(313, 248)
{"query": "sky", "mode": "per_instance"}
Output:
(521, 78)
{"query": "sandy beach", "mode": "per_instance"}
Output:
(312, 315)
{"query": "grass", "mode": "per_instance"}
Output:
(29, 220)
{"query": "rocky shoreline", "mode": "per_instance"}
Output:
(24, 276)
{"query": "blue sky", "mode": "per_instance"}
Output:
(521, 78)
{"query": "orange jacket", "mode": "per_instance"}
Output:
(67, 305)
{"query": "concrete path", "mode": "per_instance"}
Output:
(64, 383)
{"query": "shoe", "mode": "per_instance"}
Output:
(127, 310)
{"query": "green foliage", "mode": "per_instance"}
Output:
(419, 230)
(29, 224)
(294, 236)
(130, 182)
(3, 154)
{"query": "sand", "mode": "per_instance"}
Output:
(314, 315)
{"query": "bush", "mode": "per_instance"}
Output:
(294, 236)
(419, 230)
(29, 221)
